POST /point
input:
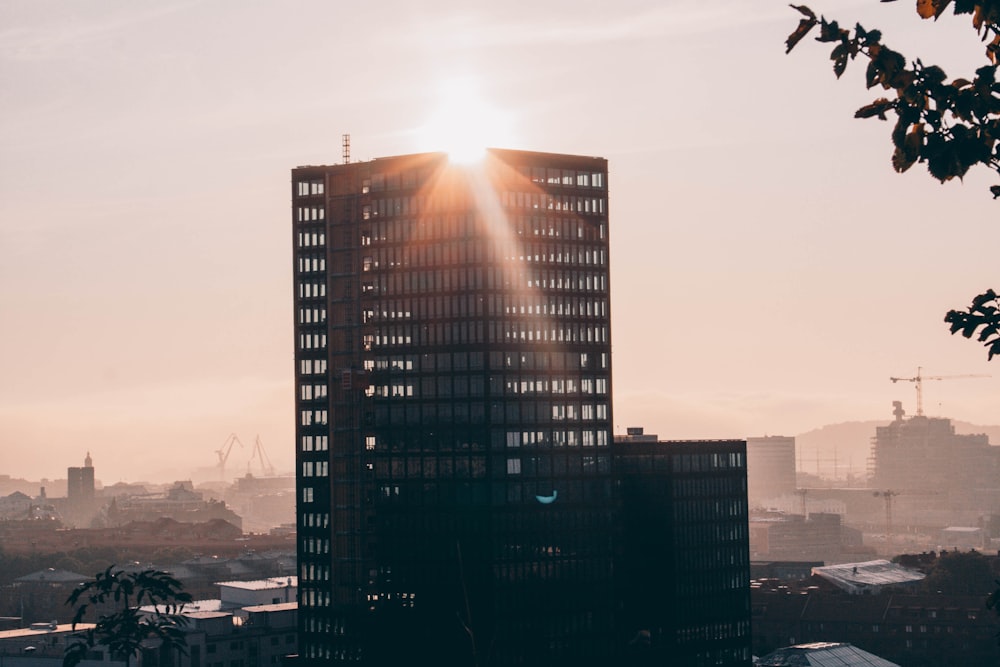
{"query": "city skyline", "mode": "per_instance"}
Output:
(781, 277)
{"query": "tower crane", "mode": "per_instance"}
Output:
(919, 380)
(224, 451)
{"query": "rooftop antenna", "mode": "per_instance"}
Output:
(346, 145)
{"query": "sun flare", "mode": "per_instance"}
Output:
(464, 124)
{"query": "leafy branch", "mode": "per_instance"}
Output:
(124, 630)
(982, 316)
(950, 126)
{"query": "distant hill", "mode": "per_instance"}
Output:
(848, 445)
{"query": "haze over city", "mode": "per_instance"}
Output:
(779, 277)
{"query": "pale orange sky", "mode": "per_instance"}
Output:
(769, 270)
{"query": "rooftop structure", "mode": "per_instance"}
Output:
(823, 654)
(867, 577)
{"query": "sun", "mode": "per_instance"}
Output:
(463, 124)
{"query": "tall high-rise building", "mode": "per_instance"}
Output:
(80, 482)
(453, 411)
(770, 467)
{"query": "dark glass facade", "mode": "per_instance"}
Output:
(683, 566)
(453, 407)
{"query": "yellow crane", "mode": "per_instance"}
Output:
(919, 382)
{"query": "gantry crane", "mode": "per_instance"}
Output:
(262, 457)
(223, 452)
(919, 380)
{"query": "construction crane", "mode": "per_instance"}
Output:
(919, 382)
(224, 451)
(261, 455)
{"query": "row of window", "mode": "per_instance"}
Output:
(474, 467)
(317, 417)
(311, 264)
(313, 572)
(556, 438)
(706, 462)
(312, 315)
(416, 205)
(563, 571)
(472, 226)
(544, 466)
(312, 289)
(309, 187)
(498, 360)
(547, 202)
(475, 278)
(595, 491)
(554, 385)
(312, 366)
(461, 412)
(460, 386)
(729, 485)
(311, 597)
(713, 557)
(705, 583)
(492, 331)
(712, 533)
(311, 239)
(409, 178)
(315, 519)
(312, 341)
(315, 469)
(470, 252)
(564, 177)
(713, 631)
(477, 305)
(706, 510)
(309, 213)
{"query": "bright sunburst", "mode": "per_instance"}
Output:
(463, 124)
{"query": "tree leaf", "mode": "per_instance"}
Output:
(931, 8)
(876, 108)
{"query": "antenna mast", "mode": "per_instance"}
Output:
(346, 146)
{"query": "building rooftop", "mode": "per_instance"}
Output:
(38, 629)
(262, 584)
(867, 577)
(823, 654)
(279, 606)
(53, 575)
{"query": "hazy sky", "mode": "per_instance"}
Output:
(769, 270)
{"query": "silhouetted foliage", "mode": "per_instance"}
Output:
(950, 126)
(124, 629)
(959, 573)
(982, 316)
